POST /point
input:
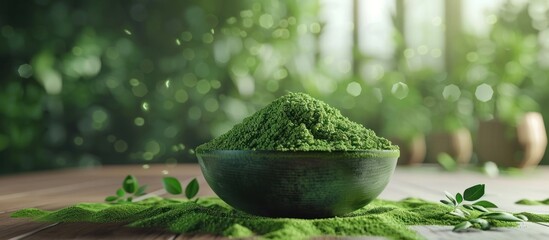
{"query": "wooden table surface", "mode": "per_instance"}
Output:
(56, 189)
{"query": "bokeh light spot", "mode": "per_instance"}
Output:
(451, 93)
(484, 92)
(120, 146)
(203, 86)
(78, 141)
(354, 89)
(145, 106)
(266, 21)
(181, 96)
(152, 147)
(211, 105)
(400, 90)
(99, 116)
(139, 121)
(25, 71)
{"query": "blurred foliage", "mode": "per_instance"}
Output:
(90, 83)
(140, 81)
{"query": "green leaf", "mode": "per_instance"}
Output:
(522, 217)
(457, 214)
(129, 199)
(474, 193)
(462, 212)
(447, 162)
(468, 206)
(111, 198)
(120, 192)
(502, 216)
(130, 184)
(172, 185)
(459, 198)
(141, 190)
(484, 225)
(450, 197)
(486, 204)
(192, 188)
(480, 208)
(462, 226)
(446, 202)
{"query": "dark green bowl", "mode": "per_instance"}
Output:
(297, 184)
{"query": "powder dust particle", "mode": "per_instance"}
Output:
(298, 122)
(383, 218)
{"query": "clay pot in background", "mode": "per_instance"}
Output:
(457, 144)
(412, 152)
(521, 146)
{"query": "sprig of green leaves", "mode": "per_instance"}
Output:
(462, 209)
(130, 189)
(173, 186)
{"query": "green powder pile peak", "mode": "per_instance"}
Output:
(298, 122)
(212, 216)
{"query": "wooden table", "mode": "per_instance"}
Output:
(56, 189)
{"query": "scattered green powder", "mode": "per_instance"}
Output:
(298, 122)
(212, 216)
(238, 231)
(533, 202)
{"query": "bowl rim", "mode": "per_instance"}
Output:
(362, 153)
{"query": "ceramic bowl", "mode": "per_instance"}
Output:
(297, 184)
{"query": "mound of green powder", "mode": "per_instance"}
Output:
(298, 122)
(212, 216)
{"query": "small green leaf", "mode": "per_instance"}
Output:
(486, 204)
(457, 214)
(474, 193)
(192, 189)
(120, 192)
(484, 225)
(468, 206)
(447, 162)
(502, 216)
(130, 184)
(141, 191)
(111, 198)
(462, 226)
(459, 198)
(129, 199)
(172, 185)
(462, 212)
(522, 217)
(446, 202)
(480, 208)
(450, 197)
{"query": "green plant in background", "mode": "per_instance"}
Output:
(504, 70)
(473, 219)
(92, 83)
(404, 114)
(132, 82)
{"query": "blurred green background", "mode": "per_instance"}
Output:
(86, 83)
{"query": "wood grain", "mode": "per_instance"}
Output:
(57, 189)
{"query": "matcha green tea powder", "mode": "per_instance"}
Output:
(298, 122)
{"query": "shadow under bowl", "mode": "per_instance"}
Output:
(297, 184)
